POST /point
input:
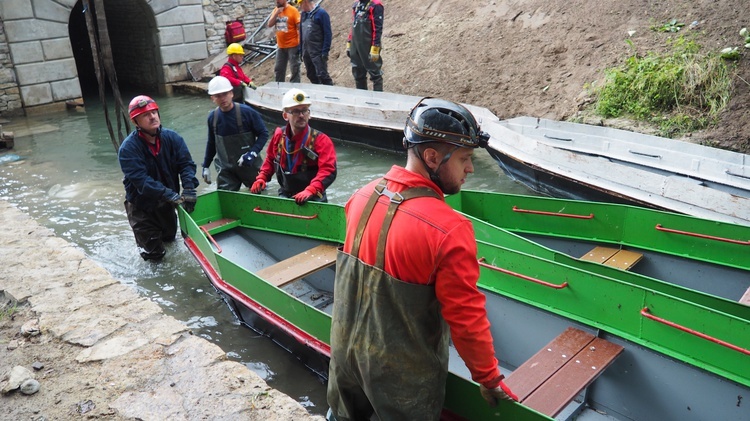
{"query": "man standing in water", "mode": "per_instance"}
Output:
(303, 158)
(236, 134)
(406, 281)
(153, 161)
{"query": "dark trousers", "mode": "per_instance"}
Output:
(152, 229)
(284, 57)
(317, 69)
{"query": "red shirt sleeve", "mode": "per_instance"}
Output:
(463, 305)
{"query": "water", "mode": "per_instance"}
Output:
(69, 180)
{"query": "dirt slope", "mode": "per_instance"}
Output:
(535, 57)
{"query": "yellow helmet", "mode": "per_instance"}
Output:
(235, 48)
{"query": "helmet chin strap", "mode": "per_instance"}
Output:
(434, 176)
(154, 134)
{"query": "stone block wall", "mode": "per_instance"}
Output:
(10, 97)
(37, 63)
(217, 13)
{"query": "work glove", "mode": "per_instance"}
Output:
(304, 195)
(207, 175)
(324, 57)
(252, 85)
(189, 197)
(374, 53)
(258, 186)
(349, 49)
(502, 391)
(247, 158)
(172, 197)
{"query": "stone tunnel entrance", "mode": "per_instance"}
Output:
(134, 42)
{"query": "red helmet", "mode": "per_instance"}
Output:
(141, 104)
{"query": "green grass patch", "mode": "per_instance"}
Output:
(7, 311)
(680, 91)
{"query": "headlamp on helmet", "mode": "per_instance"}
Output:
(438, 120)
(141, 104)
(295, 97)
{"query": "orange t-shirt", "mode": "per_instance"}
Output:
(287, 22)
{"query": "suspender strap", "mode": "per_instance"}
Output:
(396, 199)
(237, 113)
(365, 217)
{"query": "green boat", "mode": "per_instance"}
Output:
(624, 241)
(573, 343)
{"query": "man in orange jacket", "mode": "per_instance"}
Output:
(286, 20)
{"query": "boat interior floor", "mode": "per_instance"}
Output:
(689, 273)
(302, 267)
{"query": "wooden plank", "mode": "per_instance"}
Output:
(580, 371)
(544, 364)
(599, 254)
(299, 266)
(624, 259)
(746, 298)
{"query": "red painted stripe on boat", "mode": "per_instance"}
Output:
(298, 334)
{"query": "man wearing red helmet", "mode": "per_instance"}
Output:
(153, 161)
(406, 281)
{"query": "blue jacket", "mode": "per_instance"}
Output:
(315, 32)
(149, 179)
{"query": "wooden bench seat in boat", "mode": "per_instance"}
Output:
(619, 258)
(548, 381)
(299, 266)
(745, 299)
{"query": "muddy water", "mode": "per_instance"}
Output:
(63, 172)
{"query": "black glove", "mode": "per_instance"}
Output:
(325, 58)
(172, 197)
(189, 197)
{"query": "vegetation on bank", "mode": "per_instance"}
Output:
(7, 311)
(680, 91)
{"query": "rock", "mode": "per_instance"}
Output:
(15, 378)
(13, 344)
(37, 366)
(31, 328)
(29, 387)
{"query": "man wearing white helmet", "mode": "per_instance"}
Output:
(303, 158)
(236, 134)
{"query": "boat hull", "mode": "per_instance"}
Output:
(594, 163)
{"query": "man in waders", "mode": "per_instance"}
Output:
(406, 281)
(236, 134)
(364, 43)
(153, 161)
(303, 158)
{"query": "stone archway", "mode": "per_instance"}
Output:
(152, 44)
(134, 38)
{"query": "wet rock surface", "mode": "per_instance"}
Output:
(83, 344)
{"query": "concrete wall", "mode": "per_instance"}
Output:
(37, 63)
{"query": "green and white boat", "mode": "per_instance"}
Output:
(573, 342)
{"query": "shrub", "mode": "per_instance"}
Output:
(680, 91)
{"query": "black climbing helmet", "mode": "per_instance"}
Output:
(438, 120)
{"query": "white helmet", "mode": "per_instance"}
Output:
(219, 85)
(294, 97)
